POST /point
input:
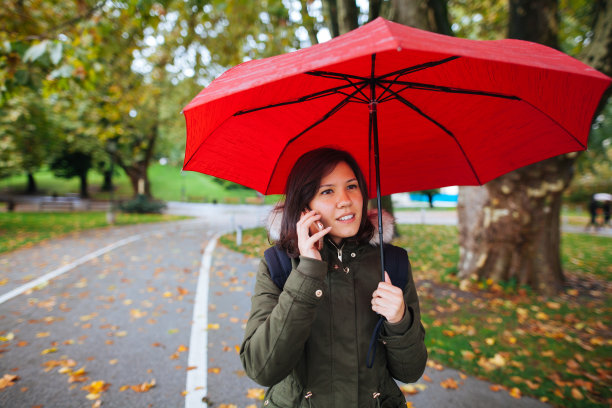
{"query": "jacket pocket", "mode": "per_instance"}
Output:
(285, 394)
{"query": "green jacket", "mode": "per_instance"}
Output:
(309, 342)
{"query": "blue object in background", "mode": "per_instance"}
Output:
(441, 200)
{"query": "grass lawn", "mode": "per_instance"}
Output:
(557, 349)
(24, 229)
(167, 184)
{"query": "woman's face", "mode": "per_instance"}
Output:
(339, 202)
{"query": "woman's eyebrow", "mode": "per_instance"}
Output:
(332, 185)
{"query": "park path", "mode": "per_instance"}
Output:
(126, 317)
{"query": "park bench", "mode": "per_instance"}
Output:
(57, 204)
(98, 205)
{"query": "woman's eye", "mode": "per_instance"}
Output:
(352, 186)
(327, 191)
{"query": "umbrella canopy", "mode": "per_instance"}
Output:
(447, 111)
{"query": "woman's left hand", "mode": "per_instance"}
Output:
(388, 300)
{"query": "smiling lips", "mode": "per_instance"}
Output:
(348, 217)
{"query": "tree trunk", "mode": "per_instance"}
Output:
(599, 52)
(534, 20)
(420, 14)
(309, 23)
(84, 190)
(516, 235)
(107, 185)
(138, 172)
(31, 188)
(510, 228)
(374, 10)
(347, 15)
(330, 10)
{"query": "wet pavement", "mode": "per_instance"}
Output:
(126, 317)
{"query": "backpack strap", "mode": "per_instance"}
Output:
(279, 265)
(396, 265)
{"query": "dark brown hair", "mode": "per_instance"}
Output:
(302, 185)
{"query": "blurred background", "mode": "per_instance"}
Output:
(91, 94)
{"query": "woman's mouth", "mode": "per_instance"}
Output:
(345, 218)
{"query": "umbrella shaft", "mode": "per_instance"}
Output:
(374, 133)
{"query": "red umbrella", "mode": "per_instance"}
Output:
(436, 110)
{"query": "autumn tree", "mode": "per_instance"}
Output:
(510, 228)
(123, 60)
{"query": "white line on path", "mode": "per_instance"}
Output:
(198, 343)
(47, 277)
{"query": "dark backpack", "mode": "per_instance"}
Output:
(396, 265)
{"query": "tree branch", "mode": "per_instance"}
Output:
(51, 32)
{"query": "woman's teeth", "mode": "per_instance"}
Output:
(346, 217)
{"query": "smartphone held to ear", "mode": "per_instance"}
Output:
(314, 228)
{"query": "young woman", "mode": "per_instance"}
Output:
(309, 340)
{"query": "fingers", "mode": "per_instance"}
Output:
(388, 301)
(306, 242)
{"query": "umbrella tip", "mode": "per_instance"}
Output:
(181, 112)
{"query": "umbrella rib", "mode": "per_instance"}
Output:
(419, 67)
(558, 124)
(336, 75)
(439, 88)
(316, 95)
(318, 122)
(448, 132)
(346, 77)
(410, 70)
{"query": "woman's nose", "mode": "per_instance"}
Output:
(344, 200)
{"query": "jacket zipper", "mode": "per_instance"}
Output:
(307, 397)
(331, 313)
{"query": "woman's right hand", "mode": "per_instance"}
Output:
(306, 242)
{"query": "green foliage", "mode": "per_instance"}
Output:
(479, 19)
(142, 205)
(71, 164)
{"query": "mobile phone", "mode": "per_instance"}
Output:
(314, 228)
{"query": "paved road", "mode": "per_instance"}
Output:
(127, 318)
(124, 316)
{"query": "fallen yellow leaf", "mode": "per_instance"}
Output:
(409, 389)
(8, 381)
(144, 387)
(8, 337)
(576, 394)
(449, 384)
(515, 393)
(256, 393)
